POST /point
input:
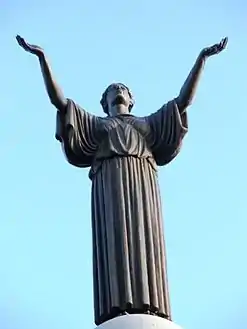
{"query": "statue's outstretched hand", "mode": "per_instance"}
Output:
(36, 50)
(215, 49)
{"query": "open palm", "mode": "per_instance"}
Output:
(33, 49)
(215, 49)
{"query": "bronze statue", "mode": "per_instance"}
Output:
(123, 152)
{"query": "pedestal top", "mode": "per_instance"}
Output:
(138, 321)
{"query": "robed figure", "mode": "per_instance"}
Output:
(123, 152)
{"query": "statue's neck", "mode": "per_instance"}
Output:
(118, 110)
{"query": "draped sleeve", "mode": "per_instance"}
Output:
(167, 129)
(77, 131)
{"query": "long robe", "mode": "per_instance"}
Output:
(129, 257)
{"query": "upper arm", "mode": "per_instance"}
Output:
(60, 104)
(182, 104)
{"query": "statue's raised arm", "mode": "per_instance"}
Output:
(76, 129)
(189, 87)
(54, 92)
(169, 124)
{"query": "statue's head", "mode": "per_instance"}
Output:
(117, 99)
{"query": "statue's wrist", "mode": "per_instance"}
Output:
(41, 56)
(202, 56)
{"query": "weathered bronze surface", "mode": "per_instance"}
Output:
(123, 152)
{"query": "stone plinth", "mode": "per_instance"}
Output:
(138, 321)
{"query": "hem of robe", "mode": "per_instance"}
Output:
(115, 312)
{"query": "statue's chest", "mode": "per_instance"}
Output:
(123, 136)
(126, 127)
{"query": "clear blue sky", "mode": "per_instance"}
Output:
(45, 233)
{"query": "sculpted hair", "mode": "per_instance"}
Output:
(103, 101)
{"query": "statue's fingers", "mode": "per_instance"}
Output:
(219, 48)
(223, 44)
(222, 41)
(18, 37)
(225, 41)
(19, 40)
(22, 42)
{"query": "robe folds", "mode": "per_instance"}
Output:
(123, 152)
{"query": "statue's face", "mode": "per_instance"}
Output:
(118, 99)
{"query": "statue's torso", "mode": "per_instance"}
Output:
(123, 135)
